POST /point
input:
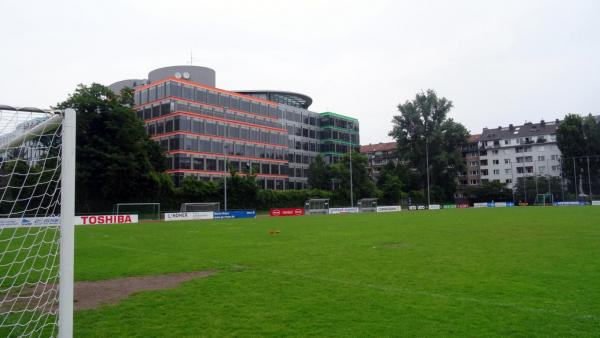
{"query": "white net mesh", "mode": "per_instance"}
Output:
(198, 207)
(30, 173)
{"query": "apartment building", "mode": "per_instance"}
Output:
(508, 153)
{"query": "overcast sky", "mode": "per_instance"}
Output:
(500, 63)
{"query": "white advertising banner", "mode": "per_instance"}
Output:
(343, 210)
(28, 222)
(389, 208)
(412, 207)
(188, 216)
(480, 205)
(595, 202)
(435, 207)
(106, 219)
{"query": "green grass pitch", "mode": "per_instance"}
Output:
(463, 273)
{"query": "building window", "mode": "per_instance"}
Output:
(541, 158)
(496, 161)
(507, 161)
(496, 171)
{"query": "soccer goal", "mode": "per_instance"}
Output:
(367, 205)
(199, 207)
(147, 211)
(37, 203)
(544, 199)
(316, 206)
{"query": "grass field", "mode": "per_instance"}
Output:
(462, 273)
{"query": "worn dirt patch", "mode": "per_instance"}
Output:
(89, 295)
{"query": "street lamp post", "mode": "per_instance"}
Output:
(351, 187)
(225, 180)
(427, 169)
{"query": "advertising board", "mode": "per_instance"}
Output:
(389, 208)
(276, 212)
(188, 216)
(343, 210)
(106, 219)
(235, 214)
(28, 222)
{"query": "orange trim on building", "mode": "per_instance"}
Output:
(183, 132)
(199, 85)
(171, 97)
(260, 159)
(210, 172)
(206, 117)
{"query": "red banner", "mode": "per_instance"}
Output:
(462, 205)
(287, 212)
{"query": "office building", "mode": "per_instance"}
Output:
(206, 131)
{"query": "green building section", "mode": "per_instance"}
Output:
(339, 134)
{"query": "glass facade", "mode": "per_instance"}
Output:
(338, 135)
(205, 130)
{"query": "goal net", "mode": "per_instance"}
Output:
(198, 207)
(145, 211)
(316, 206)
(544, 199)
(37, 187)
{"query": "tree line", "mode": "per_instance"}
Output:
(118, 162)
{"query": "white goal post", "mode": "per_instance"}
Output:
(199, 207)
(37, 204)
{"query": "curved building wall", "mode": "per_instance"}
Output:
(131, 83)
(202, 75)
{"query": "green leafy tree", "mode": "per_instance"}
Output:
(241, 191)
(390, 185)
(116, 160)
(423, 123)
(579, 138)
(362, 184)
(319, 174)
(488, 192)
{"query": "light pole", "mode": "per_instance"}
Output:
(351, 188)
(225, 179)
(427, 169)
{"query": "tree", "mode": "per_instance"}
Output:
(488, 192)
(578, 139)
(116, 160)
(319, 174)
(422, 124)
(241, 191)
(362, 184)
(390, 185)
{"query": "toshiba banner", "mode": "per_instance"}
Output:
(286, 212)
(106, 219)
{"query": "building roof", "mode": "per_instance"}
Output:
(280, 96)
(474, 138)
(526, 130)
(371, 148)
